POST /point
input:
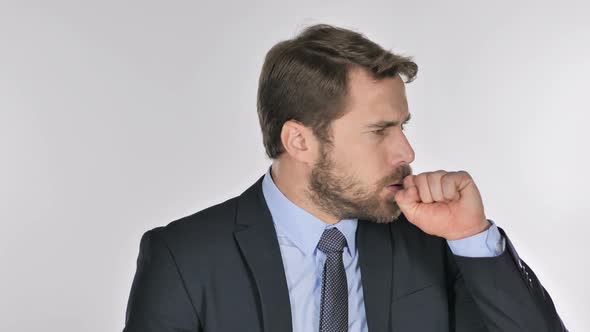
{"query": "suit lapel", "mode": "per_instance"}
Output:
(376, 261)
(257, 239)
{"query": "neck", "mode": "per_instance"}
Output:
(291, 179)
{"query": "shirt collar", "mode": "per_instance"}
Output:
(301, 227)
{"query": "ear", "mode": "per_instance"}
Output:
(299, 141)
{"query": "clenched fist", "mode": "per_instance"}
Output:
(445, 204)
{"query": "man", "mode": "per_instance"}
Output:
(338, 235)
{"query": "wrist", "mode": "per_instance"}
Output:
(480, 227)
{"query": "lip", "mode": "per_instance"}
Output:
(394, 187)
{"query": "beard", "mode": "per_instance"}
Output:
(345, 197)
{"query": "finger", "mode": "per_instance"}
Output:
(434, 183)
(409, 181)
(450, 183)
(464, 180)
(408, 200)
(423, 188)
(409, 194)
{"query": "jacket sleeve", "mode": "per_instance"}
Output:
(499, 294)
(158, 300)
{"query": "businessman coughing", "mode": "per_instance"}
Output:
(338, 234)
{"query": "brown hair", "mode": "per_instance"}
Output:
(305, 79)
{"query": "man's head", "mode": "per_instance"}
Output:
(333, 102)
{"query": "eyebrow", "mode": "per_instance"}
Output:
(387, 124)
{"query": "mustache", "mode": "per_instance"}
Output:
(398, 176)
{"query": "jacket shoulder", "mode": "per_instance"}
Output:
(208, 227)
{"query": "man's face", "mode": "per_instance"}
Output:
(353, 177)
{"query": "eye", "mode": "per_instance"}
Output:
(379, 132)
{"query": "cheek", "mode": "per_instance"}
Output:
(372, 158)
(366, 159)
(374, 166)
(365, 165)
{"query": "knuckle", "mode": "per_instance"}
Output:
(463, 173)
(421, 177)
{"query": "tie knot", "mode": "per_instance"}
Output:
(332, 241)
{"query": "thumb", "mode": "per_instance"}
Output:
(407, 199)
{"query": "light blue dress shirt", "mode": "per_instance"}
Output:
(298, 234)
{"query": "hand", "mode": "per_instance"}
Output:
(445, 204)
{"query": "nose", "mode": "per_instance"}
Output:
(402, 151)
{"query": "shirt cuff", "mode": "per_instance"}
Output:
(488, 243)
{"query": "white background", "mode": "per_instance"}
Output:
(119, 116)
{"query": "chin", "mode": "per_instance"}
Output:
(393, 211)
(387, 216)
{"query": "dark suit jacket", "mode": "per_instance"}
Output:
(221, 270)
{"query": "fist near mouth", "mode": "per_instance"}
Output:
(441, 203)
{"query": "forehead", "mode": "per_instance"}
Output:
(370, 98)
